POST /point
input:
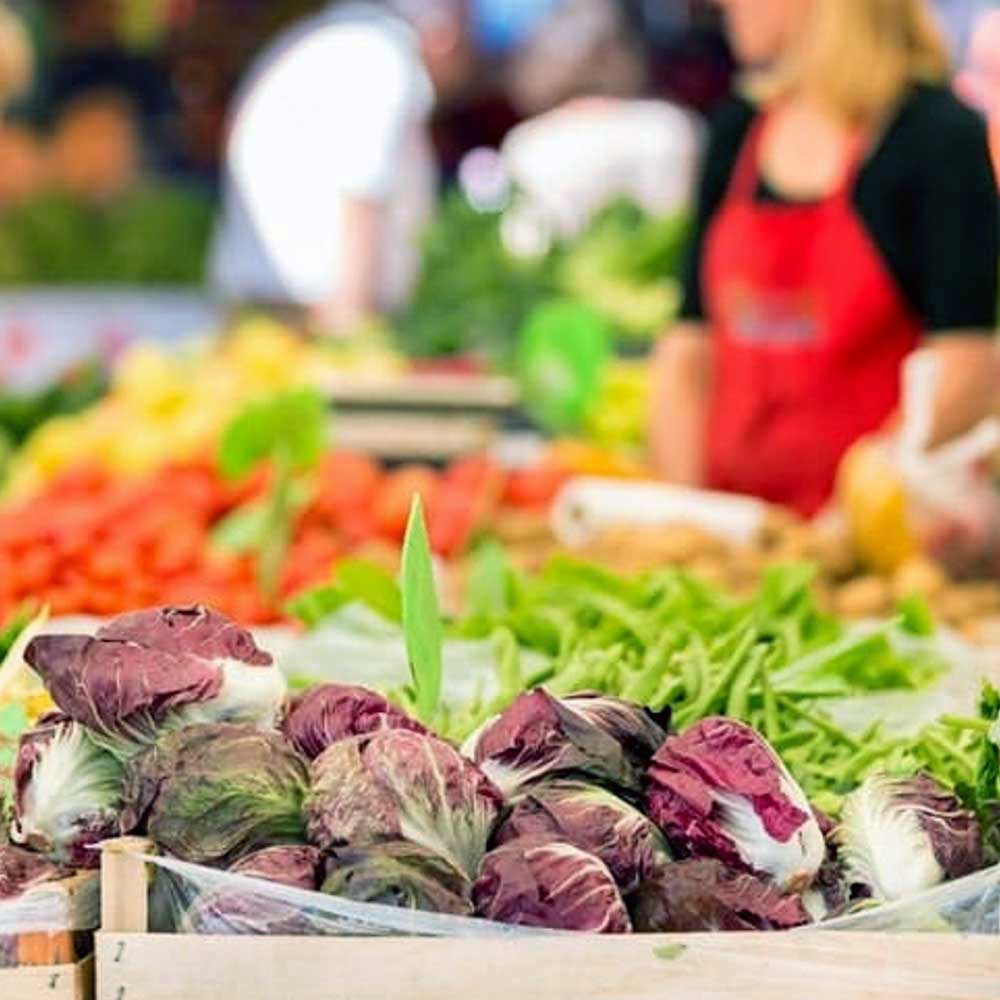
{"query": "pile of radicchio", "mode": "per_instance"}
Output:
(576, 813)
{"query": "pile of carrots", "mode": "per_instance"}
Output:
(94, 544)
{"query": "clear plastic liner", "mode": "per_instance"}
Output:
(190, 899)
(969, 905)
(356, 646)
(67, 905)
(905, 713)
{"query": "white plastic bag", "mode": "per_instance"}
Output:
(953, 504)
(50, 909)
(191, 899)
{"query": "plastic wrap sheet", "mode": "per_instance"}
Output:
(194, 900)
(50, 909)
(190, 899)
(356, 646)
(905, 713)
(969, 905)
(53, 908)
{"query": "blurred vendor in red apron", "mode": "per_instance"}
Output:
(848, 214)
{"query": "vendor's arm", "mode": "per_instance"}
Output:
(957, 231)
(368, 147)
(967, 383)
(681, 378)
(681, 372)
(355, 296)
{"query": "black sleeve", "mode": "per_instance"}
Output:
(957, 221)
(728, 130)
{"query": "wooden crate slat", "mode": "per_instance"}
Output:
(53, 982)
(820, 966)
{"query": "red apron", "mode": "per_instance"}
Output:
(809, 334)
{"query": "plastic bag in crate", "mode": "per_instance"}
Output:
(190, 899)
(43, 915)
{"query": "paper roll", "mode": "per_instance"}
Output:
(586, 507)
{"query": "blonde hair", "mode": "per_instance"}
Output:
(860, 56)
(16, 62)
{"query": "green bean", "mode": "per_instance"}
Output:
(737, 702)
(772, 724)
(706, 699)
(791, 740)
(819, 722)
(968, 725)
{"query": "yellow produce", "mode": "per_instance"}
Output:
(35, 702)
(167, 406)
(589, 460)
(150, 381)
(873, 499)
(266, 355)
(619, 416)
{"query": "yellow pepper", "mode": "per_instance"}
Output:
(873, 498)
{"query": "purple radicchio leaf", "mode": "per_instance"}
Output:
(399, 784)
(596, 821)
(333, 712)
(68, 792)
(901, 836)
(543, 882)
(719, 790)
(703, 894)
(21, 870)
(146, 669)
(294, 865)
(540, 737)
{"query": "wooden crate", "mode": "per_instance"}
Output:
(50, 964)
(135, 965)
(49, 982)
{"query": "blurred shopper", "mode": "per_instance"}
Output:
(603, 141)
(847, 215)
(573, 161)
(583, 47)
(21, 157)
(94, 151)
(93, 67)
(330, 175)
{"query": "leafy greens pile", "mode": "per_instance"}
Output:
(157, 234)
(474, 296)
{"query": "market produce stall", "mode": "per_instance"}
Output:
(718, 718)
(745, 766)
(349, 646)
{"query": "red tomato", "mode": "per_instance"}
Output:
(394, 499)
(451, 526)
(347, 482)
(534, 487)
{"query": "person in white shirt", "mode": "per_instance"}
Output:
(600, 142)
(571, 162)
(330, 175)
